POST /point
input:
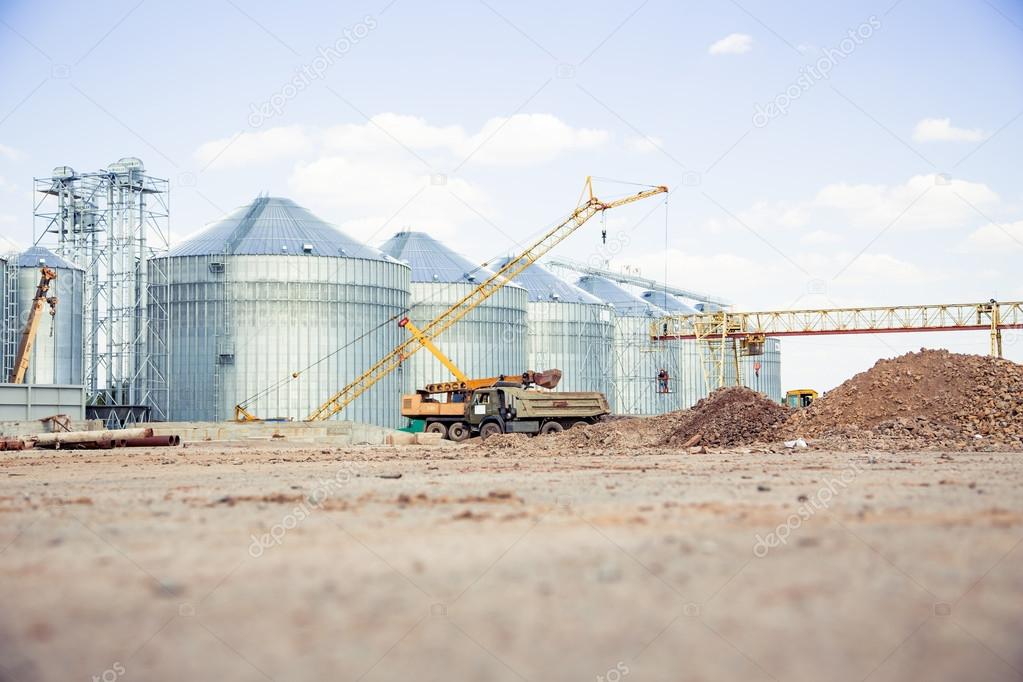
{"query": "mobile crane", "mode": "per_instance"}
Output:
(587, 207)
(28, 334)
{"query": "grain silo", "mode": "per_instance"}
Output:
(637, 359)
(7, 314)
(58, 354)
(269, 290)
(761, 372)
(569, 329)
(489, 341)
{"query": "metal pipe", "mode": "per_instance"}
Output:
(96, 444)
(150, 441)
(54, 439)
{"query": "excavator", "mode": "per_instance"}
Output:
(28, 334)
(587, 207)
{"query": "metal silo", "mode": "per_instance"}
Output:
(569, 329)
(489, 341)
(8, 312)
(58, 354)
(639, 360)
(267, 291)
(761, 372)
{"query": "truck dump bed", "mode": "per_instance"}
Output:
(541, 404)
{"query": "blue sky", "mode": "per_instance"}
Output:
(894, 180)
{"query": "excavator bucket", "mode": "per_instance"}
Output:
(549, 378)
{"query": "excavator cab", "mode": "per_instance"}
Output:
(799, 398)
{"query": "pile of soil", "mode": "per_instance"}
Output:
(728, 416)
(931, 398)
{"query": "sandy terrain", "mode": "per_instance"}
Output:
(282, 563)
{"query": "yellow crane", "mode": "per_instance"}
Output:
(587, 207)
(28, 334)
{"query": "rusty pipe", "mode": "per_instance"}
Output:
(149, 441)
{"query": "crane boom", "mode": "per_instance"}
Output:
(28, 335)
(582, 213)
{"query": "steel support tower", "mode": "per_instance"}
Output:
(112, 223)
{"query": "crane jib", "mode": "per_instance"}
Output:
(461, 308)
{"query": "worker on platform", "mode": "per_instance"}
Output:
(663, 380)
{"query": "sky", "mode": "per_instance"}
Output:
(818, 154)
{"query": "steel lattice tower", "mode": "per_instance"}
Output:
(112, 222)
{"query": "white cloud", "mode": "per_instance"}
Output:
(942, 130)
(734, 43)
(995, 238)
(529, 138)
(258, 147)
(373, 198)
(821, 238)
(10, 153)
(644, 145)
(924, 202)
(518, 140)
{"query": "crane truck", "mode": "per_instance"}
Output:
(587, 207)
(465, 407)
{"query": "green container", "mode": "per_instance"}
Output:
(415, 426)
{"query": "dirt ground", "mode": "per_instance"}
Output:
(277, 562)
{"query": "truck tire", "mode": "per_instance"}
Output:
(551, 427)
(438, 427)
(459, 431)
(490, 429)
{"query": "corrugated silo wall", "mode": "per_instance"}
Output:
(489, 341)
(768, 381)
(239, 325)
(6, 311)
(58, 354)
(578, 339)
(638, 360)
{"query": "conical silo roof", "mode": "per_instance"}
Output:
(667, 302)
(625, 303)
(274, 226)
(36, 256)
(431, 261)
(543, 285)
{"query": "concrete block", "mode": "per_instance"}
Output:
(428, 438)
(400, 438)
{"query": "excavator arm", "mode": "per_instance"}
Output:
(28, 334)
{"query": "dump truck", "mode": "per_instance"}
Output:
(505, 407)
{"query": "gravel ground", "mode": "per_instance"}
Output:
(273, 562)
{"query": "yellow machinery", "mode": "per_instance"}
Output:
(587, 207)
(800, 397)
(28, 335)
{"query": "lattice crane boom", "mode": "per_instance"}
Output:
(588, 207)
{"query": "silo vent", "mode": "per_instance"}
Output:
(307, 248)
(216, 268)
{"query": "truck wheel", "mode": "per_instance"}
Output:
(459, 431)
(490, 429)
(577, 422)
(551, 427)
(438, 427)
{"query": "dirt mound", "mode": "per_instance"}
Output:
(728, 416)
(931, 397)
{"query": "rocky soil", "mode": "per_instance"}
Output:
(931, 400)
